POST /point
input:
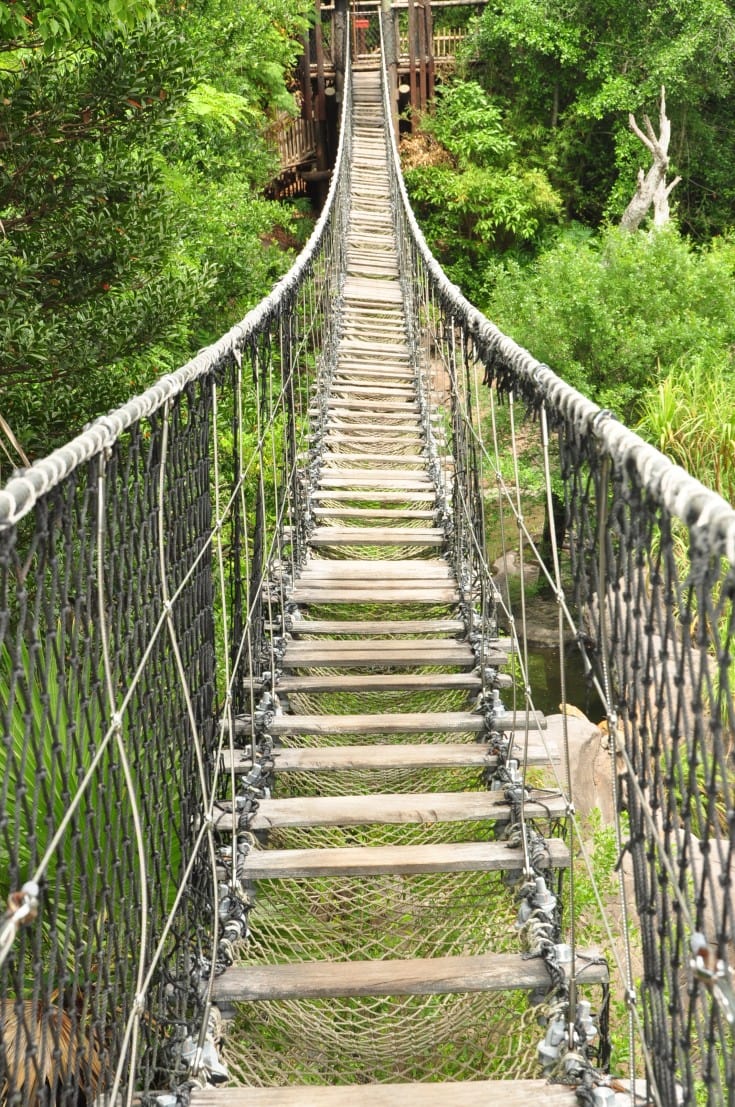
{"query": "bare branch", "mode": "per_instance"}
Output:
(651, 187)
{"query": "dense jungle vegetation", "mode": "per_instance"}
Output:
(522, 172)
(133, 155)
(134, 152)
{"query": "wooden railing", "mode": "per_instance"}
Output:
(296, 141)
(444, 44)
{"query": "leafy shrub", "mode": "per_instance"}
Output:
(614, 314)
(479, 201)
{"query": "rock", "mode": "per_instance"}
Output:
(589, 759)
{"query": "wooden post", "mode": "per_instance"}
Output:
(391, 58)
(412, 62)
(307, 107)
(322, 153)
(422, 52)
(339, 23)
(431, 71)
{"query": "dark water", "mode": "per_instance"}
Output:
(545, 681)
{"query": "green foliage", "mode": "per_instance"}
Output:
(130, 162)
(469, 125)
(54, 722)
(570, 72)
(614, 314)
(479, 201)
(603, 853)
(54, 22)
(221, 110)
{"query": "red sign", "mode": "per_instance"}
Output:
(361, 24)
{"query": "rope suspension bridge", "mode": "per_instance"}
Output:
(279, 820)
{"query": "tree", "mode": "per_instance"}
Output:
(472, 194)
(652, 187)
(112, 136)
(571, 71)
(52, 23)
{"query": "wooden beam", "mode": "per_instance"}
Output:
(307, 104)
(413, 80)
(427, 755)
(388, 809)
(451, 857)
(410, 722)
(474, 1093)
(422, 52)
(381, 627)
(485, 972)
(431, 69)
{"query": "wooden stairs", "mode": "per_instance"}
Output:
(377, 625)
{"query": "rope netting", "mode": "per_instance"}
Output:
(134, 601)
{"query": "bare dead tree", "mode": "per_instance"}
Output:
(652, 187)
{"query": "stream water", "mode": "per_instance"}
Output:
(545, 681)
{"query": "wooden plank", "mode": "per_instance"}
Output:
(375, 291)
(371, 513)
(380, 682)
(388, 426)
(379, 626)
(395, 584)
(401, 660)
(409, 431)
(373, 473)
(379, 412)
(362, 480)
(318, 578)
(390, 809)
(377, 536)
(395, 587)
(381, 496)
(376, 648)
(439, 597)
(434, 568)
(362, 372)
(363, 440)
(388, 658)
(329, 458)
(354, 388)
(452, 857)
(485, 972)
(474, 1093)
(406, 651)
(415, 722)
(366, 366)
(429, 755)
(350, 647)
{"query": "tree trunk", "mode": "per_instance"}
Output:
(652, 187)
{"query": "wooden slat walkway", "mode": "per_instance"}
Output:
(357, 686)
